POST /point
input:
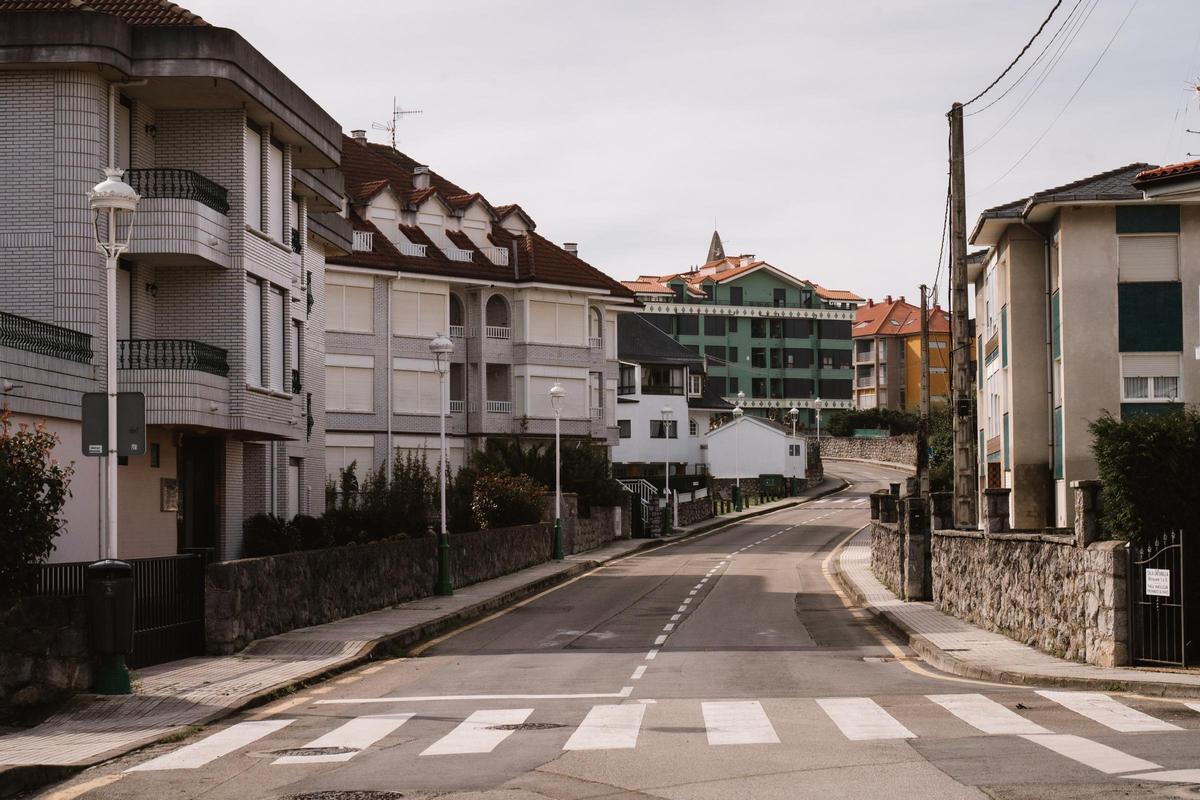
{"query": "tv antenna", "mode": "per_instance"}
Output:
(390, 126)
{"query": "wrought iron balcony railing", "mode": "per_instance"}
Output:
(182, 184)
(44, 339)
(172, 354)
(296, 240)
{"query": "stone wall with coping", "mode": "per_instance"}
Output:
(893, 449)
(253, 598)
(693, 511)
(43, 650)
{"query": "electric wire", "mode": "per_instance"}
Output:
(1070, 99)
(1018, 58)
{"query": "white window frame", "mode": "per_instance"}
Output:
(1152, 393)
(254, 329)
(253, 177)
(343, 362)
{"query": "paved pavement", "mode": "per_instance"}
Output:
(171, 697)
(718, 666)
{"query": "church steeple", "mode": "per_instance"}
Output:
(716, 251)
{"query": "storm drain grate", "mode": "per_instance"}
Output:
(526, 726)
(313, 751)
(350, 794)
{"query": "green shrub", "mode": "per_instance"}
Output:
(585, 467)
(1148, 469)
(266, 535)
(941, 446)
(502, 501)
(896, 422)
(33, 489)
(460, 491)
(309, 533)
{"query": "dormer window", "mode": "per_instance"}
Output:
(695, 385)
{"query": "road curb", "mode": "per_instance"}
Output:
(947, 662)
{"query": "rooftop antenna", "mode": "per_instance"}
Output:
(390, 126)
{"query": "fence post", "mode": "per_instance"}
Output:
(887, 507)
(918, 583)
(1087, 512)
(941, 511)
(874, 498)
(995, 510)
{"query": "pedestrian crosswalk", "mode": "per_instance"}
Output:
(840, 502)
(619, 725)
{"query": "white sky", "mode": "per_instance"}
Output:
(813, 133)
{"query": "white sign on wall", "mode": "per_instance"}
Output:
(1158, 582)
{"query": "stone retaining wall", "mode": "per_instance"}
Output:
(43, 650)
(894, 449)
(257, 597)
(886, 555)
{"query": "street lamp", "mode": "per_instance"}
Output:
(794, 413)
(817, 406)
(441, 347)
(557, 393)
(667, 522)
(737, 453)
(116, 202)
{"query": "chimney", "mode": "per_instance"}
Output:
(901, 298)
(359, 136)
(421, 176)
(870, 302)
(571, 247)
(888, 299)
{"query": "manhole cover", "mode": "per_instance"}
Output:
(313, 751)
(526, 726)
(346, 795)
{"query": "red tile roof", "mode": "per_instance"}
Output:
(1169, 171)
(731, 267)
(896, 318)
(134, 12)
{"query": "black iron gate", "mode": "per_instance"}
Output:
(1163, 608)
(168, 616)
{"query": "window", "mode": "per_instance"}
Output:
(735, 295)
(833, 329)
(278, 336)
(254, 328)
(707, 288)
(1148, 258)
(662, 380)
(714, 326)
(687, 325)
(294, 487)
(716, 351)
(1058, 443)
(779, 297)
(627, 379)
(123, 133)
(758, 357)
(416, 391)
(276, 194)
(732, 325)
(777, 388)
(349, 303)
(349, 382)
(693, 428)
(624, 428)
(758, 387)
(252, 163)
(1150, 377)
(758, 328)
(343, 450)
(1055, 327)
(1004, 336)
(798, 357)
(776, 358)
(660, 429)
(297, 353)
(733, 385)
(733, 355)
(795, 450)
(1149, 317)
(695, 385)
(797, 328)
(425, 314)
(776, 329)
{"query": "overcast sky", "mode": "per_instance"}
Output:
(811, 133)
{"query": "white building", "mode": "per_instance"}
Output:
(747, 447)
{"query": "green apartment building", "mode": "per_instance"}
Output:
(783, 341)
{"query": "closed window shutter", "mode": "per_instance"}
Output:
(404, 390)
(405, 311)
(275, 187)
(1148, 365)
(253, 333)
(335, 387)
(359, 390)
(359, 311)
(252, 158)
(335, 307)
(1149, 258)
(432, 320)
(275, 343)
(428, 400)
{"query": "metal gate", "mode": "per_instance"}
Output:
(1162, 631)
(168, 615)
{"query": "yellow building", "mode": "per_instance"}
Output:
(887, 355)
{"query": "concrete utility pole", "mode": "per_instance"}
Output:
(966, 484)
(923, 426)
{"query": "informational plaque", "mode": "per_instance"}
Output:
(1158, 582)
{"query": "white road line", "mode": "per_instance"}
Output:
(1098, 756)
(652, 654)
(670, 626)
(686, 600)
(625, 692)
(703, 581)
(1108, 712)
(1170, 776)
(221, 743)
(476, 733)
(1193, 706)
(660, 639)
(738, 723)
(692, 593)
(986, 714)
(638, 673)
(608, 728)
(681, 609)
(675, 617)
(357, 734)
(861, 718)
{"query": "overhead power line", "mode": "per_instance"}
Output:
(1013, 63)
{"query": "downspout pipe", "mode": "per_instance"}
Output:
(390, 449)
(1049, 331)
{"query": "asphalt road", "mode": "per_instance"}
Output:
(723, 666)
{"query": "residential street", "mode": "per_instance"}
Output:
(723, 666)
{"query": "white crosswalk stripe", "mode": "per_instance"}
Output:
(1098, 756)
(986, 714)
(862, 719)
(213, 747)
(478, 733)
(1107, 711)
(356, 735)
(608, 728)
(738, 723)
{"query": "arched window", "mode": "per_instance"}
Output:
(457, 317)
(496, 318)
(595, 327)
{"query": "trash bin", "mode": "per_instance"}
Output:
(110, 622)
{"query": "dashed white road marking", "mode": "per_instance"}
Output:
(738, 723)
(653, 654)
(1169, 776)
(608, 728)
(625, 692)
(670, 626)
(986, 714)
(1108, 712)
(1098, 756)
(675, 617)
(221, 743)
(638, 673)
(861, 719)
(660, 639)
(478, 733)
(686, 600)
(358, 734)
(681, 609)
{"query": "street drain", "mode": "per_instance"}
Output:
(526, 726)
(313, 751)
(344, 795)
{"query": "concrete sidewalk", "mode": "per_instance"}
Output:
(169, 698)
(960, 648)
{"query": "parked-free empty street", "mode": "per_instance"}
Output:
(723, 666)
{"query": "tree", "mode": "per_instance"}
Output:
(941, 446)
(33, 490)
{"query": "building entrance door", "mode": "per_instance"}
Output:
(201, 475)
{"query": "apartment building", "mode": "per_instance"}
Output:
(780, 340)
(430, 258)
(1087, 305)
(220, 311)
(887, 355)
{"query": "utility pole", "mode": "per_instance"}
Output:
(923, 426)
(966, 484)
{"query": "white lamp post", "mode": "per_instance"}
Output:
(441, 347)
(794, 413)
(817, 406)
(667, 414)
(116, 202)
(737, 453)
(557, 393)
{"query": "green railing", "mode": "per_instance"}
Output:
(45, 339)
(181, 184)
(172, 354)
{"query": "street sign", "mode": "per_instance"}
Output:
(1158, 582)
(131, 423)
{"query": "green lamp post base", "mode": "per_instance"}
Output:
(112, 676)
(558, 540)
(444, 587)
(737, 498)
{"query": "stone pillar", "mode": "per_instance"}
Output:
(917, 578)
(874, 498)
(995, 510)
(887, 507)
(1087, 512)
(941, 510)
(895, 487)
(912, 486)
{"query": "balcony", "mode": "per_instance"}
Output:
(185, 382)
(410, 249)
(182, 218)
(499, 406)
(458, 406)
(596, 414)
(865, 383)
(364, 241)
(497, 255)
(174, 354)
(44, 339)
(497, 332)
(458, 332)
(457, 253)
(296, 241)
(595, 342)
